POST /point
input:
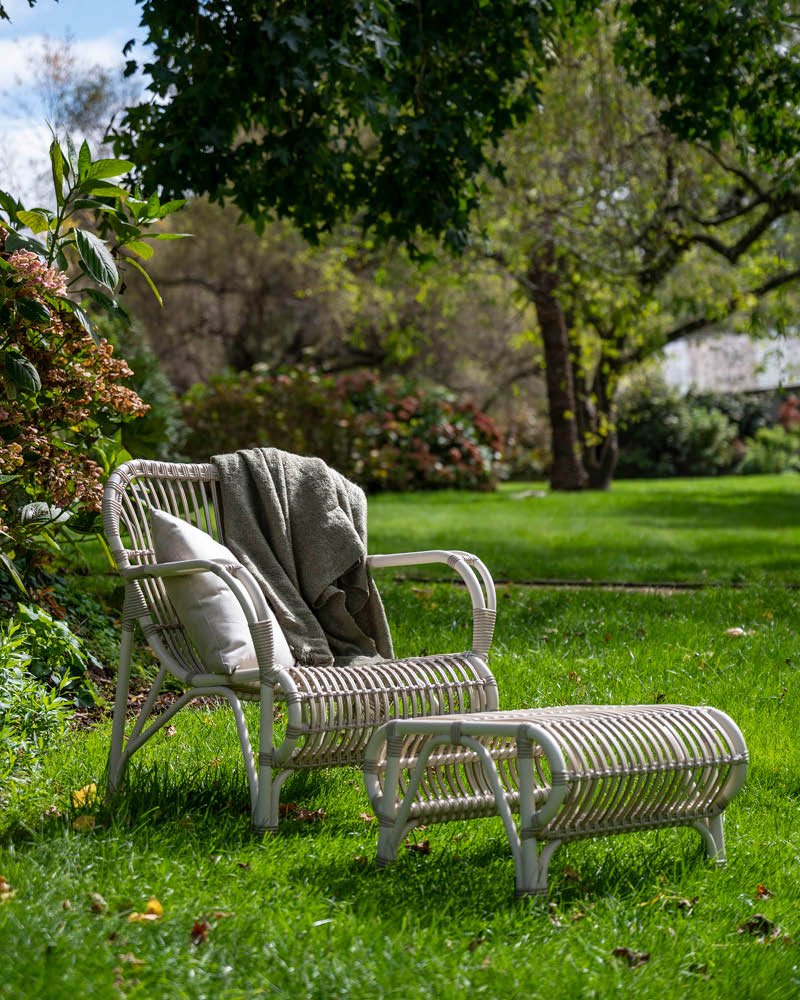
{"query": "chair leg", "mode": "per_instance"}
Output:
(116, 761)
(713, 834)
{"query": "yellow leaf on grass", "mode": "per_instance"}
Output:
(153, 911)
(6, 892)
(86, 796)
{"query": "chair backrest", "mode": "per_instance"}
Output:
(189, 491)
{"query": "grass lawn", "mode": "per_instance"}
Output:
(304, 913)
(725, 530)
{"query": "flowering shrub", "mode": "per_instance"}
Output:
(391, 434)
(65, 397)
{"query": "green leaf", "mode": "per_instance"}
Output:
(57, 165)
(73, 157)
(12, 571)
(97, 259)
(21, 373)
(111, 306)
(14, 241)
(110, 168)
(33, 311)
(35, 220)
(84, 160)
(143, 250)
(135, 263)
(92, 185)
(83, 319)
(10, 205)
(166, 236)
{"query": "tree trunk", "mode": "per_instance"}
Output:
(597, 423)
(567, 471)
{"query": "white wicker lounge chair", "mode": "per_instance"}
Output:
(331, 711)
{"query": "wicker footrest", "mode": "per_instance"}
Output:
(572, 772)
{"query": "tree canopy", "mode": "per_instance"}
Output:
(315, 111)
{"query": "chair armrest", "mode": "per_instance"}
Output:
(474, 574)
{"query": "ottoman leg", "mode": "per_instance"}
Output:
(712, 832)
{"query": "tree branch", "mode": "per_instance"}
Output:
(733, 304)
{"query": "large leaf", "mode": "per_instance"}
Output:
(97, 259)
(33, 311)
(83, 319)
(12, 571)
(110, 168)
(143, 250)
(93, 185)
(57, 165)
(35, 220)
(84, 160)
(10, 205)
(135, 263)
(21, 373)
(15, 241)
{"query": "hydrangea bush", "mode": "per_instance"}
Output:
(385, 433)
(65, 395)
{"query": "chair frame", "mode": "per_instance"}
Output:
(331, 712)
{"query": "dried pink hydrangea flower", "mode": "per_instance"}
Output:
(50, 279)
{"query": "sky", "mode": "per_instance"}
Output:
(98, 30)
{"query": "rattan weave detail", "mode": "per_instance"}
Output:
(331, 712)
(569, 773)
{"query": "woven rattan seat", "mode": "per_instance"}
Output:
(331, 712)
(568, 773)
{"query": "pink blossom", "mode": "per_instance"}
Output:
(38, 273)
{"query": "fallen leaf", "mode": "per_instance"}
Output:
(633, 958)
(52, 812)
(200, 931)
(66, 904)
(170, 730)
(570, 874)
(366, 817)
(291, 810)
(764, 929)
(476, 942)
(244, 864)
(762, 892)
(153, 911)
(84, 823)
(86, 796)
(130, 959)
(97, 903)
(738, 632)
(221, 914)
(6, 892)
(421, 847)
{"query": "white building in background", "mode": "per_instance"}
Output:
(731, 362)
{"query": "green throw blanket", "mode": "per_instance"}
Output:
(301, 528)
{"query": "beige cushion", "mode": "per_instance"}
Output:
(207, 609)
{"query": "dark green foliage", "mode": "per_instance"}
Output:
(771, 450)
(315, 111)
(393, 434)
(663, 434)
(56, 655)
(31, 715)
(722, 69)
(749, 411)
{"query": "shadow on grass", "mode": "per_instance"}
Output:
(468, 871)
